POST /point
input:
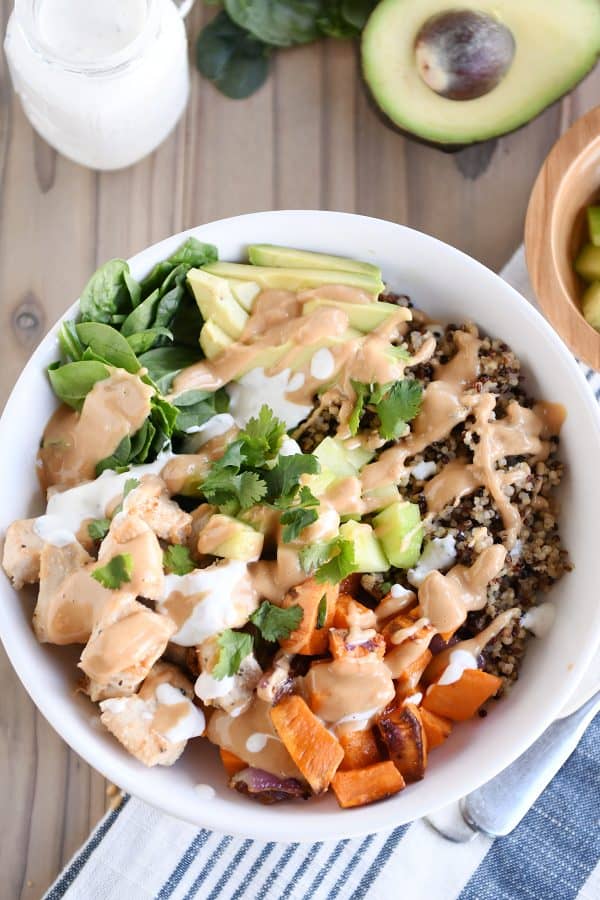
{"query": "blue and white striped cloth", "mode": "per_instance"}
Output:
(139, 853)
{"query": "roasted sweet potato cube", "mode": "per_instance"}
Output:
(340, 646)
(318, 606)
(314, 749)
(437, 728)
(231, 763)
(406, 667)
(349, 611)
(360, 749)
(402, 732)
(461, 699)
(358, 787)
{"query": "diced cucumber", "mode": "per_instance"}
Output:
(294, 279)
(590, 305)
(363, 316)
(593, 218)
(368, 552)
(380, 497)
(216, 302)
(213, 339)
(400, 531)
(290, 258)
(587, 263)
(228, 537)
(337, 457)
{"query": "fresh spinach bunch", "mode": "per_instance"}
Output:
(234, 50)
(125, 324)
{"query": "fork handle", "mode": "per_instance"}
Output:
(497, 807)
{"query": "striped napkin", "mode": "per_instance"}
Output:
(137, 852)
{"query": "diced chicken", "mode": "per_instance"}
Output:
(126, 641)
(22, 549)
(150, 501)
(129, 534)
(233, 693)
(155, 724)
(69, 599)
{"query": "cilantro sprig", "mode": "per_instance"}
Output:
(177, 559)
(273, 624)
(116, 572)
(330, 561)
(396, 405)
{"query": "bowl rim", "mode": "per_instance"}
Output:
(310, 825)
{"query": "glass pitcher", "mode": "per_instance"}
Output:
(103, 81)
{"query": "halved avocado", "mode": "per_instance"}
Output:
(456, 73)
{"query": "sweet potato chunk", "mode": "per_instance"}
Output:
(349, 611)
(361, 786)
(360, 749)
(340, 646)
(461, 699)
(402, 732)
(309, 639)
(436, 728)
(405, 670)
(231, 763)
(314, 749)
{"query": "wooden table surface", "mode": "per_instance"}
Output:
(307, 140)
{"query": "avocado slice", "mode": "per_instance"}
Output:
(363, 316)
(289, 258)
(228, 537)
(587, 263)
(400, 531)
(294, 279)
(213, 339)
(590, 305)
(245, 292)
(452, 76)
(216, 302)
(368, 552)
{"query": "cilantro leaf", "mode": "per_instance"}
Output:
(322, 612)
(232, 491)
(330, 561)
(276, 623)
(130, 485)
(98, 529)
(298, 517)
(177, 559)
(261, 438)
(361, 390)
(401, 404)
(116, 572)
(283, 480)
(234, 647)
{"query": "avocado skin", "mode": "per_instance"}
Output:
(451, 147)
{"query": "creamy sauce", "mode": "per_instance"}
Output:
(401, 658)
(207, 601)
(469, 650)
(131, 535)
(459, 662)
(446, 599)
(438, 555)
(234, 733)
(540, 619)
(73, 443)
(272, 579)
(348, 686)
(176, 718)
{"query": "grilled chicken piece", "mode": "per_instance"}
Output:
(22, 549)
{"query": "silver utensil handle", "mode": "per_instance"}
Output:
(497, 807)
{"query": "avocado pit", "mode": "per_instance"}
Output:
(462, 54)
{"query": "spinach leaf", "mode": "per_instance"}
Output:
(187, 323)
(142, 341)
(356, 12)
(194, 253)
(134, 288)
(142, 316)
(164, 363)
(194, 408)
(156, 277)
(106, 343)
(69, 343)
(72, 382)
(106, 294)
(235, 61)
(279, 22)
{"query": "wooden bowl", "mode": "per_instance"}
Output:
(556, 229)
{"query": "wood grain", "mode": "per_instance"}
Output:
(308, 138)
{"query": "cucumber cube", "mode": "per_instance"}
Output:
(400, 530)
(590, 305)
(227, 537)
(587, 263)
(593, 218)
(368, 553)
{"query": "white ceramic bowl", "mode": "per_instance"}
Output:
(454, 288)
